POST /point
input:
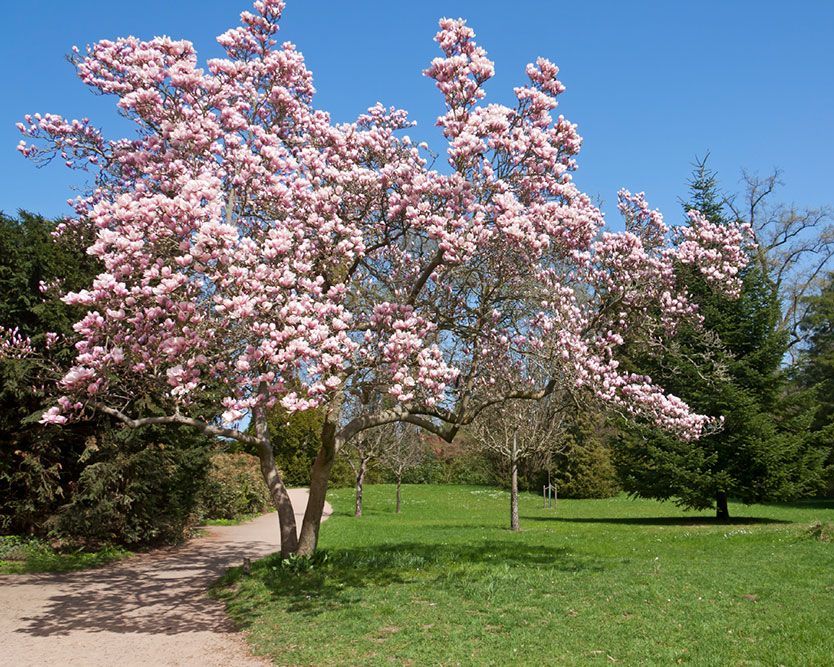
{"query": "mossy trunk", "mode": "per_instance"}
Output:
(399, 484)
(277, 491)
(319, 477)
(360, 483)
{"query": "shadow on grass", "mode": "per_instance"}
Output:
(339, 581)
(662, 520)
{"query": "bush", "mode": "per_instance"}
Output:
(234, 488)
(135, 489)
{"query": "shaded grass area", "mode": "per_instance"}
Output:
(21, 555)
(589, 582)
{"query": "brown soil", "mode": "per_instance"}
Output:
(151, 609)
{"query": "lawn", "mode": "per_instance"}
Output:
(615, 581)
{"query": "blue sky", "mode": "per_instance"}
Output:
(651, 84)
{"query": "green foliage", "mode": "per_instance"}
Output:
(815, 371)
(645, 583)
(731, 368)
(20, 555)
(88, 482)
(234, 487)
(136, 489)
(296, 440)
(38, 465)
(584, 468)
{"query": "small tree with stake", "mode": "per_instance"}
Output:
(404, 451)
(517, 431)
(360, 451)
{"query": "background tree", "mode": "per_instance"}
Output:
(86, 482)
(405, 451)
(365, 447)
(795, 247)
(815, 369)
(583, 466)
(254, 253)
(517, 431)
(730, 366)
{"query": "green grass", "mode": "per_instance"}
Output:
(20, 555)
(243, 518)
(614, 581)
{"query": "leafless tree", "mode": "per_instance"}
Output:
(795, 245)
(360, 451)
(404, 451)
(520, 430)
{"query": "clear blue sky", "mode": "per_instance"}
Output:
(651, 84)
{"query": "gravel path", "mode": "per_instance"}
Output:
(151, 609)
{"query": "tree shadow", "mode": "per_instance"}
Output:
(163, 592)
(663, 520)
(339, 580)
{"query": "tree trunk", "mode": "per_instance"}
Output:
(722, 512)
(277, 491)
(399, 483)
(360, 481)
(319, 476)
(514, 525)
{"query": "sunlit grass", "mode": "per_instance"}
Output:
(589, 582)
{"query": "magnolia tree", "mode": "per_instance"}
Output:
(254, 252)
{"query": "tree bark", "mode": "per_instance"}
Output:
(399, 483)
(319, 476)
(277, 491)
(360, 481)
(514, 524)
(722, 512)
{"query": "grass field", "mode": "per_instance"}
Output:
(614, 581)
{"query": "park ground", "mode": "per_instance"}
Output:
(616, 581)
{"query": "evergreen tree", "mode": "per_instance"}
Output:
(816, 365)
(731, 367)
(87, 481)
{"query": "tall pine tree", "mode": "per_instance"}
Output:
(732, 366)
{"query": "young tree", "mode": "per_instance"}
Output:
(257, 253)
(731, 366)
(517, 431)
(360, 451)
(405, 451)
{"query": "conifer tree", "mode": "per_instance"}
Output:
(731, 367)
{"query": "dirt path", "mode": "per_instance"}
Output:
(148, 610)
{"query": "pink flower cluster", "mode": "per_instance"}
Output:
(254, 250)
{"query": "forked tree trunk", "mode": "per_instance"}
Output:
(399, 483)
(514, 525)
(722, 511)
(277, 491)
(360, 481)
(319, 476)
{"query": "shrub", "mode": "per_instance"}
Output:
(233, 488)
(135, 489)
